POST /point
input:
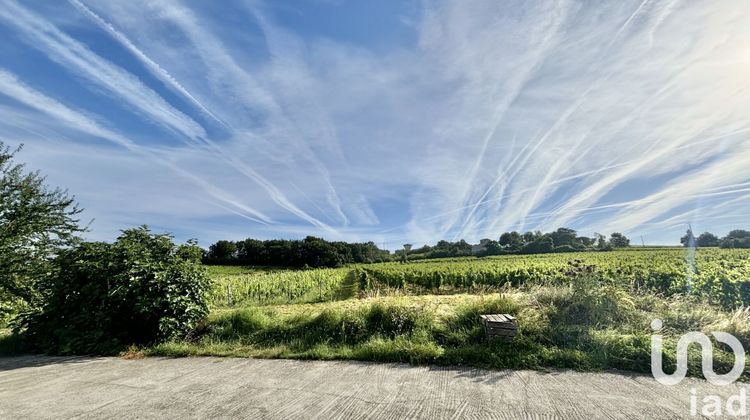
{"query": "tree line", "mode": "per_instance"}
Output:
(561, 240)
(737, 238)
(317, 252)
(308, 252)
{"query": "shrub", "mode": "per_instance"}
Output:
(139, 290)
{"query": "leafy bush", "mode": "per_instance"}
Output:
(139, 290)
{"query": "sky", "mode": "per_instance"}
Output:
(390, 121)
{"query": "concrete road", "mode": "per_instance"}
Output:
(47, 387)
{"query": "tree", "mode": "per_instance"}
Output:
(618, 240)
(251, 252)
(222, 252)
(688, 240)
(541, 245)
(586, 242)
(707, 239)
(493, 248)
(140, 290)
(564, 236)
(736, 239)
(531, 236)
(601, 242)
(511, 240)
(36, 223)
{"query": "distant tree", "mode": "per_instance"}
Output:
(251, 252)
(316, 252)
(586, 242)
(463, 248)
(564, 236)
(222, 252)
(36, 223)
(492, 248)
(736, 239)
(543, 244)
(688, 239)
(531, 236)
(707, 239)
(618, 240)
(511, 240)
(601, 242)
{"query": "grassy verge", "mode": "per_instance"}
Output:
(587, 327)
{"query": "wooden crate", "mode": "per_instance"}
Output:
(499, 326)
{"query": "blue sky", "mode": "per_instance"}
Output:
(391, 121)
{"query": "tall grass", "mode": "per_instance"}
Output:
(587, 327)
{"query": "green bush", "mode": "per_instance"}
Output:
(139, 290)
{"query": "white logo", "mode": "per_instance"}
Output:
(706, 352)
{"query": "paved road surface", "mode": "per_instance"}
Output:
(46, 387)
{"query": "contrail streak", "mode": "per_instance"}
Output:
(14, 88)
(150, 64)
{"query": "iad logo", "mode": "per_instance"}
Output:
(706, 353)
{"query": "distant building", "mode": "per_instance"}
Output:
(481, 247)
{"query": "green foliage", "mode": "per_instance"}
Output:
(720, 276)
(139, 290)
(35, 223)
(736, 239)
(552, 331)
(707, 239)
(541, 245)
(222, 252)
(309, 252)
(280, 286)
(618, 240)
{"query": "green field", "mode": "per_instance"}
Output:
(586, 311)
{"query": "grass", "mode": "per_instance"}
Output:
(588, 327)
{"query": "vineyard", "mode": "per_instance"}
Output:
(239, 285)
(717, 276)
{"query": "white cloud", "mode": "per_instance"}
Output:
(496, 116)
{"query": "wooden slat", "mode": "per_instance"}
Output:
(499, 324)
(500, 327)
(498, 318)
(511, 333)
